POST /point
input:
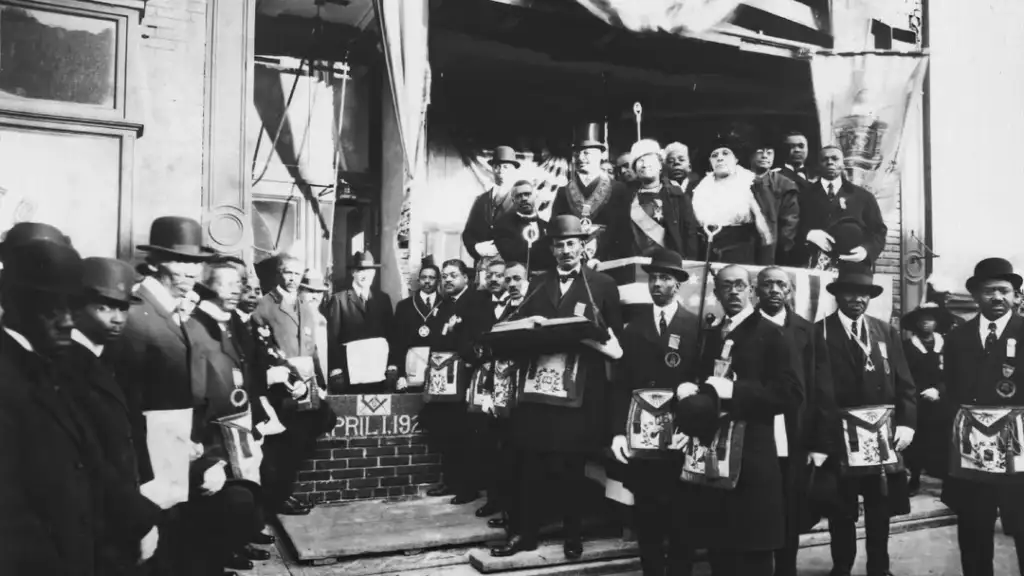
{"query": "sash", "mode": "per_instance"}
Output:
(244, 455)
(650, 422)
(480, 387)
(444, 379)
(416, 365)
(597, 200)
(987, 444)
(716, 465)
(646, 224)
(867, 441)
(553, 379)
(504, 385)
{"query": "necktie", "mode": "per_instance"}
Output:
(990, 340)
(662, 324)
(831, 191)
(854, 330)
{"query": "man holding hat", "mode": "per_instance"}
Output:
(987, 392)
(359, 313)
(657, 353)
(519, 233)
(877, 415)
(489, 207)
(661, 214)
(748, 371)
(556, 428)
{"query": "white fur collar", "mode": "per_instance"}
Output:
(920, 345)
(730, 202)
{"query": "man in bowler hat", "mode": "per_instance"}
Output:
(982, 371)
(489, 207)
(868, 369)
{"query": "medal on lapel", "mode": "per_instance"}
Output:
(1007, 388)
(585, 222)
(424, 331)
(672, 358)
(238, 396)
(659, 213)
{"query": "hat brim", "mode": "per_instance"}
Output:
(365, 266)
(944, 319)
(585, 145)
(112, 295)
(1013, 279)
(873, 290)
(512, 162)
(199, 254)
(678, 273)
(313, 288)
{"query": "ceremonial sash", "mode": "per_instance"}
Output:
(244, 455)
(596, 201)
(504, 386)
(650, 422)
(867, 441)
(646, 224)
(987, 444)
(480, 387)
(716, 465)
(553, 379)
(444, 378)
(416, 360)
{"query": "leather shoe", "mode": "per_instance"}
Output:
(263, 539)
(441, 490)
(464, 498)
(573, 549)
(292, 507)
(238, 562)
(497, 523)
(486, 510)
(255, 553)
(515, 545)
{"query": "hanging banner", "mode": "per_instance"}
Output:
(863, 101)
(672, 16)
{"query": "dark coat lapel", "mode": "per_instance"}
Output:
(577, 292)
(103, 379)
(552, 287)
(38, 374)
(671, 213)
(151, 300)
(288, 310)
(647, 328)
(356, 302)
(839, 344)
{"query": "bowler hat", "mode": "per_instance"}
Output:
(848, 233)
(589, 135)
(697, 415)
(44, 266)
(944, 319)
(313, 281)
(665, 260)
(25, 231)
(504, 154)
(855, 278)
(993, 269)
(109, 278)
(177, 236)
(566, 226)
(363, 260)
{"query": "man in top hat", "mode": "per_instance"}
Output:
(803, 434)
(755, 383)
(51, 489)
(678, 168)
(868, 369)
(596, 200)
(831, 198)
(519, 233)
(982, 360)
(358, 313)
(784, 203)
(657, 352)
(100, 313)
(415, 320)
(489, 207)
(556, 429)
(660, 213)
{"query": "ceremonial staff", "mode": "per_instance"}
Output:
(711, 230)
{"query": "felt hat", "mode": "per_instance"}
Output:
(665, 260)
(45, 266)
(697, 415)
(822, 496)
(313, 281)
(856, 278)
(363, 261)
(731, 142)
(993, 269)
(848, 232)
(25, 231)
(566, 226)
(944, 319)
(177, 236)
(589, 135)
(645, 147)
(110, 279)
(504, 154)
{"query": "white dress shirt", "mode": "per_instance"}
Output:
(428, 299)
(735, 321)
(836, 185)
(668, 310)
(847, 323)
(1000, 326)
(779, 319)
(96, 349)
(162, 295)
(564, 286)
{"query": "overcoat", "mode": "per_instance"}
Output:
(609, 203)
(818, 212)
(930, 448)
(482, 216)
(678, 221)
(512, 246)
(350, 319)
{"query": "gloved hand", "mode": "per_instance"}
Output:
(930, 394)
(402, 383)
(148, 545)
(686, 389)
(277, 375)
(158, 493)
(196, 452)
(214, 479)
(486, 249)
(904, 436)
(821, 239)
(858, 254)
(620, 449)
(721, 385)
(298, 390)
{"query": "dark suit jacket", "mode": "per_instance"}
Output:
(480, 222)
(294, 329)
(817, 212)
(679, 222)
(508, 237)
(474, 308)
(617, 238)
(544, 428)
(256, 365)
(784, 211)
(405, 328)
(349, 319)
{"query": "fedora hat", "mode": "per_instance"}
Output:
(993, 269)
(109, 278)
(44, 266)
(363, 260)
(589, 135)
(855, 278)
(566, 226)
(944, 319)
(177, 236)
(697, 415)
(504, 154)
(669, 262)
(848, 233)
(313, 281)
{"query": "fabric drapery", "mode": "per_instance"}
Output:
(672, 16)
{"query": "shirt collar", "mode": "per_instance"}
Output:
(78, 336)
(795, 169)
(837, 183)
(503, 299)
(215, 312)
(17, 337)
(739, 317)
(161, 294)
(779, 319)
(847, 322)
(456, 297)
(244, 316)
(1000, 325)
(916, 341)
(669, 310)
(577, 270)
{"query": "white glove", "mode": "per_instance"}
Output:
(402, 383)
(620, 449)
(214, 479)
(686, 389)
(817, 457)
(278, 375)
(158, 493)
(678, 440)
(858, 254)
(148, 545)
(321, 393)
(334, 372)
(298, 391)
(486, 249)
(593, 263)
(610, 348)
(904, 436)
(721, 385)
(196, 453)
(930, 394)
(821, 239)
(487, 405)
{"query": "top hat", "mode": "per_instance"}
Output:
(44, 266)
(848, 233)
(993, 269)
(177, 236)
(504, 154)
(856, 278)
(313, 281)
(363, 260)
(566, 226)
(645, 147)
(944, 319)
(589, 135)
(664, 260)
(697, 415)
(109, 278)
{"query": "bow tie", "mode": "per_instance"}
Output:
(563, 278)
(499, 299)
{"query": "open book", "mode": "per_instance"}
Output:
(538, 322)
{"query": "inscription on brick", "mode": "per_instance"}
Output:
(373, 415)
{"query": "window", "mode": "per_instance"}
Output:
(275, 226)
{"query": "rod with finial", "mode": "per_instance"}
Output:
(638, 111)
